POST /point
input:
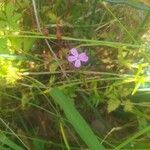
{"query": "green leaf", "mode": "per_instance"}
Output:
(3, 46)
(77, 121)
(6, 141)
(9, 9)
(128, 106)
(13, 21)
(96, 98)
(113, 104)
(52, 17)
(10, 16)
(22, 43)
(139, 81)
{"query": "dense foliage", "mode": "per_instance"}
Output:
(74, 74)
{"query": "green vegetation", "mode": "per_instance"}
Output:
(46, 102)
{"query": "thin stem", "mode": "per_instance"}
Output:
(14, 134)
(46, 41)
(64, 137)
(74, 71)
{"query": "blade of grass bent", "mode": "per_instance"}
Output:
(77, 121)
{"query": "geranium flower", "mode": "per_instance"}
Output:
(77, 58)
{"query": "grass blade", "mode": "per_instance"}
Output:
(77, 121)
(6, 141)
(132, 138)
(64, 136)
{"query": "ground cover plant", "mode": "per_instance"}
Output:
(74, 74)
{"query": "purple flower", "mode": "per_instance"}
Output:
(77, 58)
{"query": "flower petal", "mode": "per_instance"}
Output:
(72, 58)
(77, 64)
(74, 52)
(83, 57)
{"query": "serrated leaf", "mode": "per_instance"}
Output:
(128, 106)
(113, 104)
(10, 17)
(22, 43)
(9, 9)
(126, 92)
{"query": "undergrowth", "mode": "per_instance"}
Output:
(48, 103)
